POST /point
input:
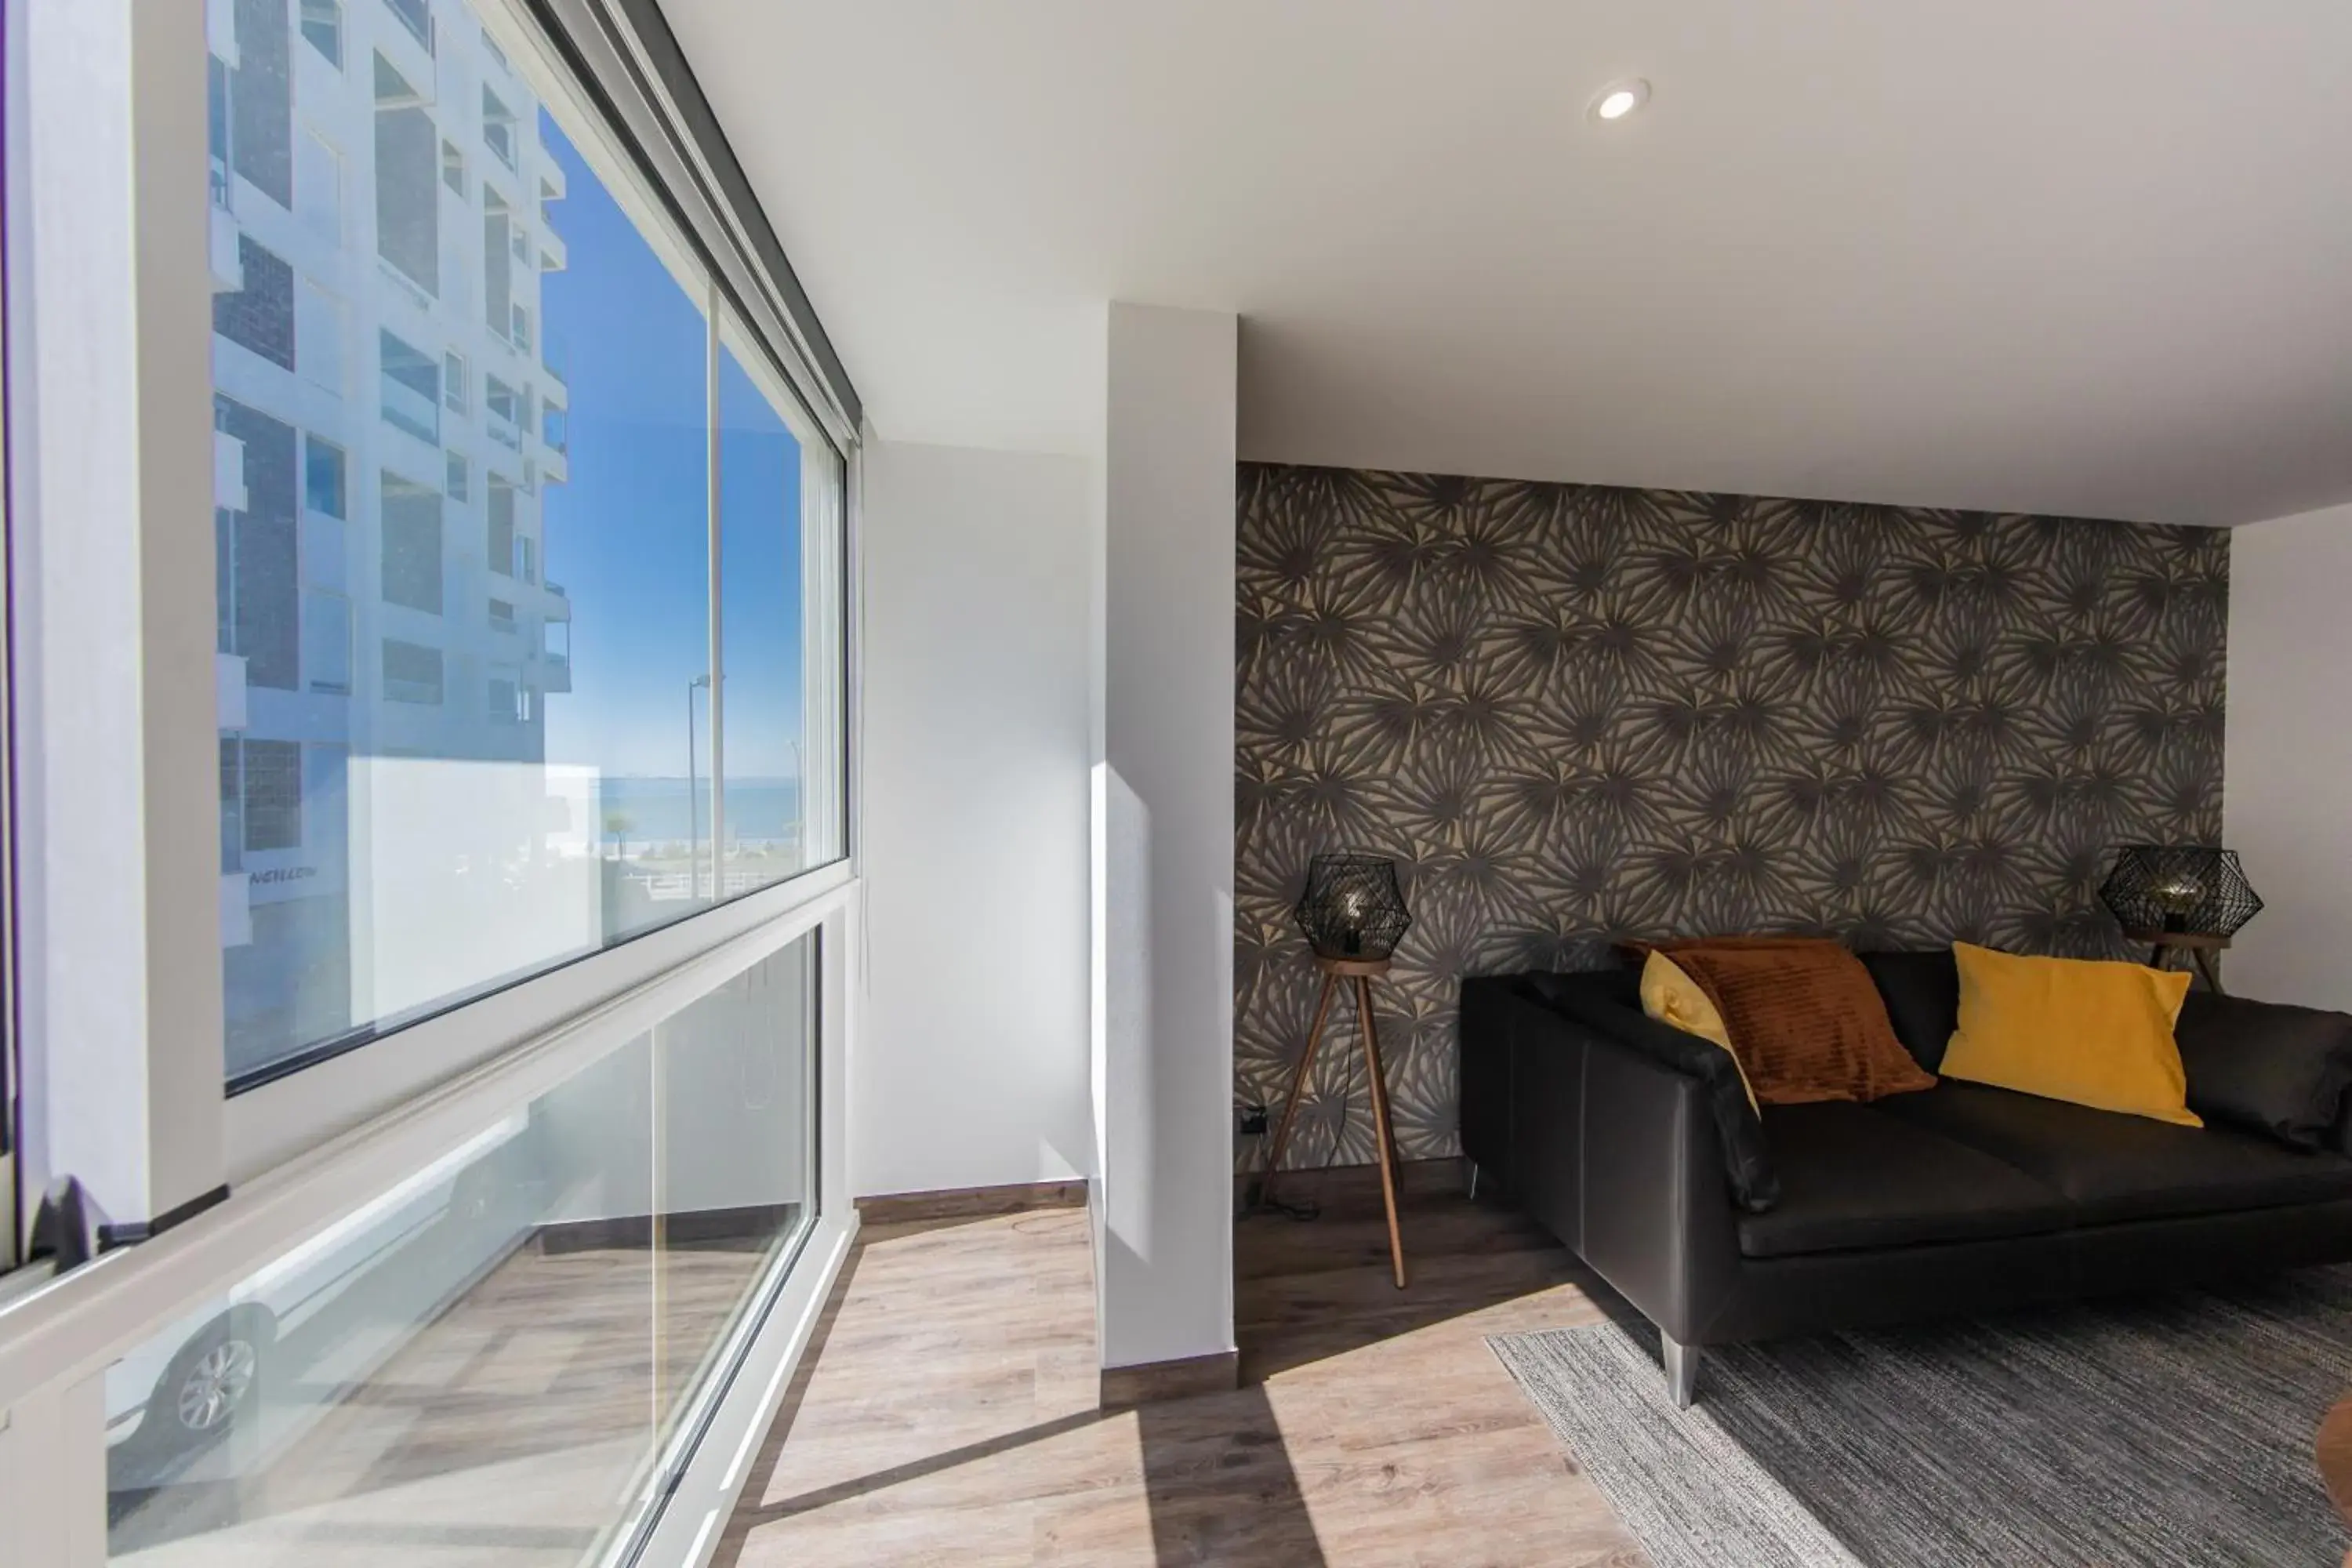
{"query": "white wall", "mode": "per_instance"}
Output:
(1164, 888)
(971, 1069)
(2290, 754)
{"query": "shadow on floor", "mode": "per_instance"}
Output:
(1221, 1486)
(1304, 1290)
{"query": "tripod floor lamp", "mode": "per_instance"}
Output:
(1353, 914)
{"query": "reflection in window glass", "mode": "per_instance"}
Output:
(490, 1361)
(522, 681)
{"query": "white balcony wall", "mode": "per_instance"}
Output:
(971, 1069)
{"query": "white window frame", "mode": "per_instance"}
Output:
(111, 648)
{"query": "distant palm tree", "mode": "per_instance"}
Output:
(618, 825)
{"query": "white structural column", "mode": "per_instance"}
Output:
(2289, 754)
(110, 473)
(1164, 839)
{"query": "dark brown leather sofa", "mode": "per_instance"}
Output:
(1624, 1138)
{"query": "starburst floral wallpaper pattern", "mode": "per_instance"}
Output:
(1574, 714)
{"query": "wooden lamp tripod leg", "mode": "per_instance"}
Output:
(1298, 1091)
(1380, 1125)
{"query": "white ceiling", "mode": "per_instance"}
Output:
(2068, 255)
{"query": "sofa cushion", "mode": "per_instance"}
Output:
(2093, 1031)
(1851, 1176)
(2264, 1066)
(1804, 1019)
(1922, 992)
(2111, 1166)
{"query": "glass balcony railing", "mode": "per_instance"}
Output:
(509, 1355)
(407, 408)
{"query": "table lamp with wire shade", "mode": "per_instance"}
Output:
(2186, 897)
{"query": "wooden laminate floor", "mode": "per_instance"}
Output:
(947, 1414)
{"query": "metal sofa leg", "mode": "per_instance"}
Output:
(1682, 1370)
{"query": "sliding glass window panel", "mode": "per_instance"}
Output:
(626, 534)
(507, 1357)
(735, 1166)
(763, 624)
(509, 698)
(462, 1369)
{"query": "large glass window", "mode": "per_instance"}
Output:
(516, 787)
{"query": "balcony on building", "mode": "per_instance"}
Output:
(410, 387)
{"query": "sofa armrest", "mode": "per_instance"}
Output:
(1610, 1146)
(2267, 1067)
(1658, 1220)
(1747, 1161)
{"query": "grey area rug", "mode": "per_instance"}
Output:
(2171, 1430)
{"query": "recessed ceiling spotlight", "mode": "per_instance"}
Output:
(1620, 99)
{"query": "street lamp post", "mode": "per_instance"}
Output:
(693, 794)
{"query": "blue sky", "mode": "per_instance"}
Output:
(627, 535)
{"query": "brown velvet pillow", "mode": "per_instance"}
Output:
(1805, 1020)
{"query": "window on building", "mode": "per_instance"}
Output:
(411, 520)
(407, 179)
(499, 551)
(259, 317)
(459, 479)
(322, 25)
(411, 672)
(417, 16)
(519, 328)
(503, 707)
(498, 263)
(273, 796)
(326, 642)
(503, 404)
(453, 167)
(232, 804)
(455, 384)
(258, 550)
(410, 388)
(259, 91)
(323, 467)
(498, 127)
(217, 130)
(502, 616)
(527, 560)
(552, 426)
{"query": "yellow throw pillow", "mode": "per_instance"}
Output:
(1673, 997)
(2095, 1033)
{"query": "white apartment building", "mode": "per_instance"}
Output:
(390, 407)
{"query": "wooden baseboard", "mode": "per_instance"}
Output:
(634, 1233)
(1123, 1387)
(971, 1203)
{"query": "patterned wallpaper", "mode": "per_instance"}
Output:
(1574, 713)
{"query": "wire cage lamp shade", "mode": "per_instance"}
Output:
(1353, 908)
(2180, 889)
